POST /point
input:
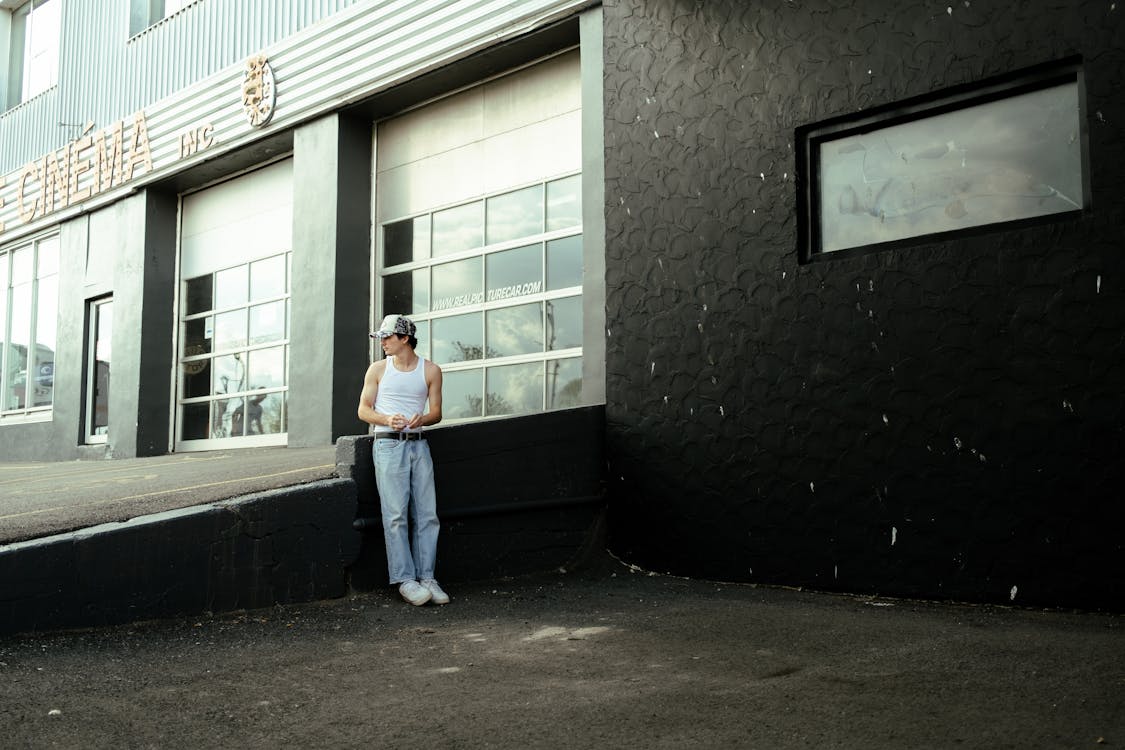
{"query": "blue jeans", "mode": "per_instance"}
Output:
(404, 474)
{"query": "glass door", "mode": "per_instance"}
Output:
(99, 341)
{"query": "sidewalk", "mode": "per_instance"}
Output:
(39, 499)
(605, 657)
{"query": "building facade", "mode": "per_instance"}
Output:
(196, 243)
(846, 277)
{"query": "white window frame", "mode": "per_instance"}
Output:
(34, 37)
(26, 413)
(425, 319)
(97, 313)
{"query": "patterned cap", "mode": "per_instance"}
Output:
(395, 325)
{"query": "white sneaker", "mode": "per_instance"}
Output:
(415, 593)
(437, 595)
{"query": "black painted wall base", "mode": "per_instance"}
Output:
(514, 495)
(277, 547)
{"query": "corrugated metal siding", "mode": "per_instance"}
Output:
(104, 75)
(365, 48)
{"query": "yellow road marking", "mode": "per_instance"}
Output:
(165, 492)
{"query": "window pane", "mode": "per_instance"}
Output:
(48, 257)
(197, 336)
(199, 294)
(564, 205)
(1013, 158)
(459, 228)
(196, 419)
(230, 329)
(423, 336)
(461, 394)
(406, 241)
(21, 265)
(458, 339)
(407, 292)
(6, 371)
(230, 374)
(516, 214)
(266, 414)
(267, 368)
(564, 323)
(15, 395)
(103, 354)
(564, 383)
(267, 322)
(231, 287)
(41, 49)
(43, 368)
(458, 284)
(514, 273)
(197, 378)
(224, 422)
(515, 330)
(564, 262)
(515, 389)
(267, 278)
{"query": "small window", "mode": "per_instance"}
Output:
(1000, 153)
(144, 13)
(33, 51)
(99, 356)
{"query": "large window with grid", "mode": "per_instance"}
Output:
(234, 366)
(29, 305)
(495, 286)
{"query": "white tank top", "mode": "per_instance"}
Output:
(401, 392)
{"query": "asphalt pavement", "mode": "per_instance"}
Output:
(604, 656)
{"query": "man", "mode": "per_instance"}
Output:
(395, 394)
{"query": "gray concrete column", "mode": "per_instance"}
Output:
(331, 286)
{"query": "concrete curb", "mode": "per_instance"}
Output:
(275, 547)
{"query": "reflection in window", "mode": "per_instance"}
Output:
(515, 273)
(233, 363)
(230, 329)
(514, 389)
(564, 263)
(459, 228)
(266, 368)
(458, 339)
(515, 330)
(28, 313)
(458, 284)
(564, 383)
(461, 394)
(267, 322)
(1004, 160)
(515, 214)
(564, 323)
(564, 203)
(519, 249)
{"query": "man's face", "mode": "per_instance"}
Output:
(394, 344)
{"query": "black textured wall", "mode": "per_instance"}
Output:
(941, 420)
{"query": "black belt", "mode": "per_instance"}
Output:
(399, 436)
